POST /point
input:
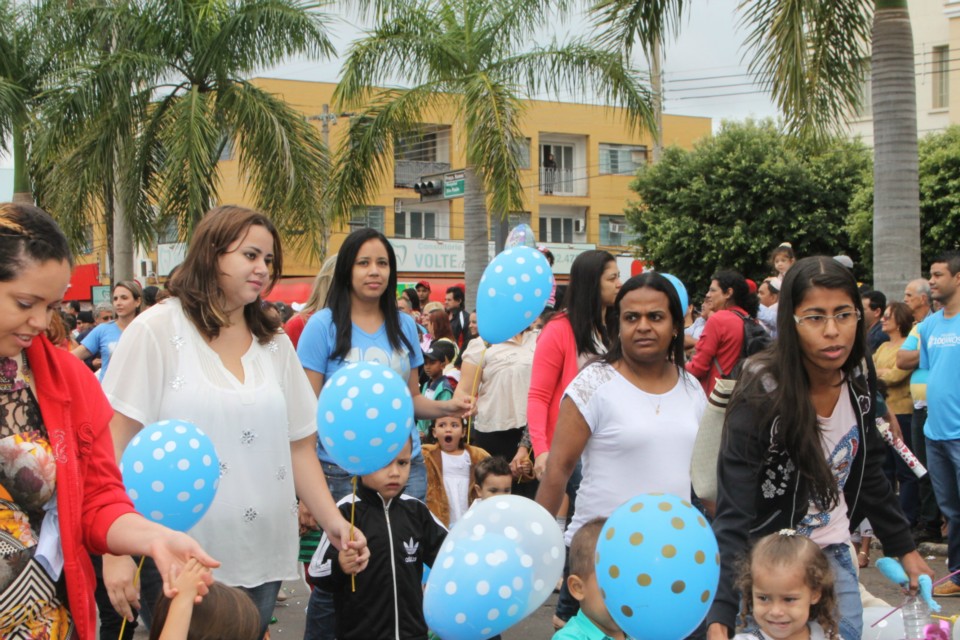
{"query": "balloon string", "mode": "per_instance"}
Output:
(353, 507)
(136, 581)
(473, 392)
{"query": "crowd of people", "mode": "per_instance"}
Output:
(600, 399)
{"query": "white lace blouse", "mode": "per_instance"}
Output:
(164, 369)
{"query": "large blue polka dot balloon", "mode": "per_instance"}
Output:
(658, 566)
(364, 416)
(498, 564)
(171, 472)
(513, 291)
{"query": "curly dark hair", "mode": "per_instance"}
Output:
(785, 550)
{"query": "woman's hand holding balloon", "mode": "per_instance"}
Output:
(118, 578)
(462, 406)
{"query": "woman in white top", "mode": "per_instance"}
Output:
(633, 415)
(211, 355)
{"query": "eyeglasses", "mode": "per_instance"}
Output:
(818, 321)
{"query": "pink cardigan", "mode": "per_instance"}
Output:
(554, 367)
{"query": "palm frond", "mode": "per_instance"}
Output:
(363, 158)
(624, 23)
(581, 68)
(191, 140)
(284, 158)
(492, 113)
(811, 55)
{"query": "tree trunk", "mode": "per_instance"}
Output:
(121, 268)
(475, 241)
(896, 201)
(22, 193)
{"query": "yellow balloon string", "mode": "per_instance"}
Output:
(473, 392)
(353, 507)
(136, 581)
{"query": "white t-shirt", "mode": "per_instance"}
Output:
(456, 482)
(639, 442)
(164, 369)
(839, 437)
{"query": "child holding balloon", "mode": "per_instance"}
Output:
(788, 590)
(391, 584)
(592, 620)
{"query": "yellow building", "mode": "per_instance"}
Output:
(578, 205)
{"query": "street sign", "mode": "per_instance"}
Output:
(453, 184)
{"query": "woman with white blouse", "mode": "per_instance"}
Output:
(210, 355)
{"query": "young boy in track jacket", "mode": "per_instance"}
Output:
(402, 536)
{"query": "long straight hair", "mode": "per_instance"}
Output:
(338, 297)
(582, 304)
(655, 281)
(790, 403)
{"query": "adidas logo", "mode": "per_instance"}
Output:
(411, 546)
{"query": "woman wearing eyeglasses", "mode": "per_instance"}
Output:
(801, 450)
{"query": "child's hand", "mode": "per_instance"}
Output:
(350, 561)
(193, 581)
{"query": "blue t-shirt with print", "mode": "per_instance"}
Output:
(319, 339)
(101, 342)
(940, 354)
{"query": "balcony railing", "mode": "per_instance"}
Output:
(562, 182)
(407, 172)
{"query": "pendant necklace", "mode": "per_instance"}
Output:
(9, 368)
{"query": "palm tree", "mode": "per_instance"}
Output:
(144, 122)
(476, 56)
(26, 57)
(812, 56)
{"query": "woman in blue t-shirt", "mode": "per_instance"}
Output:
(361, 323)
(103, 339)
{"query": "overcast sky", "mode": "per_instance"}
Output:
(703, 74)
(703, 70)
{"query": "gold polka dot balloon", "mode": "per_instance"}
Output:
(656, 566)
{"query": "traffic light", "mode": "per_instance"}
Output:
(426, 188)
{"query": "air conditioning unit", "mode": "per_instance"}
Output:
(579, 226)
(617, 227)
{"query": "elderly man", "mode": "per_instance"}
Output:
(917, 297)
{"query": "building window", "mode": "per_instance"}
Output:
(556, 169)
(226, 151)
(415, 224)
(621, 159)
(168, 232)
(367, 217)
(614, 232)
(866, 93)
(559, 229)
(522, 150)
(87, 246)
(941, 77)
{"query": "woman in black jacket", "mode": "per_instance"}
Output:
(800, 446)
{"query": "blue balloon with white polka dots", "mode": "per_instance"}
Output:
(171, 472)
(364, 416)
(513, 291)
(498, 564)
